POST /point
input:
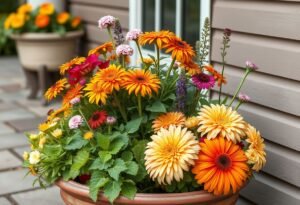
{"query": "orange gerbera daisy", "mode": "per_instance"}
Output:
(218, 76)
(181, 50)
(63, 17)
(46, 9)
(111, 77)
(42, 21)
(167, 119)
(102, 49)
(66, 66)
(55, 89)
(75, 22)
(191, 68)
(158, 37)
(96, 92)
(74, 92)
(141, 82)
(221, 167)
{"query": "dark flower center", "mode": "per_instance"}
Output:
(96, 117)
(140, 78)
(204, 78)
(223, 161)
(179, 43)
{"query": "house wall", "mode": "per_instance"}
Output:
(92, 10)
(267, 33)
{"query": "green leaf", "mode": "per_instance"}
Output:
(118, 167)
(76, 142)
(133, 125)
(80, 160)
(116, 146)
(99, 165)
(127, 156)
(203, 101)
(103, 141)
(98, 180)
(129, 189)
(112, 190)
(132, 168)
(105, 156)
(138, 151)
(142, 172)
(52, 150)
(157, 106)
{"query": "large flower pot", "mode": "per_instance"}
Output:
(73, 193)
(46, 49)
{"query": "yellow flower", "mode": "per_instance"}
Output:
(171, 152)
(106, 47)
(34, 157)
(55, 89)
(46, 9)
(88, 135)
(17, 21)
(25, 155)
(42, 142)
(57, 133)
(219, 120)
(75, 22)
(66, 66)
(96, 93)
(47, 125)
(147, 61)
(256, 152)
(7, 22)
(63, 17)
(24, 9)
(160, 38)
(191, 122)
(33, 136)
(32, 170)
(167, 119)
(141, 82)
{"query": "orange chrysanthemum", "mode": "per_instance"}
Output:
(63, 17)
(75, 22)
(141, 82)
(56, 114)
(46, 9)
(218, 76)
(167, 119)
(42, 21)
(66, 66)
(96, 92)
(73, 92)
(112, 77)
(158, 37)
(102, 49)
(181, 51)
(221, 167)
(55, 89)
(191, 68)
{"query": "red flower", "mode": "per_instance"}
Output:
(97, 119)
(84, 178)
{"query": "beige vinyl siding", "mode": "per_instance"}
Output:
(92, 10)
(267, 33)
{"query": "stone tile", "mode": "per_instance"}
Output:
(4, 201)
(15, 181)
(14, 96)
(8, 160)
(13, 140)
(15, 114)
(21, 150)
(4, 129)
(25, 124)
(11, 88)
(4, 106)
(50, 196)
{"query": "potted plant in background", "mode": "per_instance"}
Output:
(146, 134)
(44, 38)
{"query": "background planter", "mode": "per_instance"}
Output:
(76, 194)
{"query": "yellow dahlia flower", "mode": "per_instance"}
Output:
(191, 122)
(171, 152)
(167, 119)
(219, 120)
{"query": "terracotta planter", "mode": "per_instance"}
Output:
(46, 49)
(73, 193)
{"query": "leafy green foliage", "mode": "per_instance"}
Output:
(80, 160)
(97, 181)
(112, 190)
(76, 142)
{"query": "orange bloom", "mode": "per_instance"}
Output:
(96, 93)
(66, 66)
(218, 76)
(16, 21)
(159, 37)
(63, 17)
(191, 67)
(42, 21)
(75, 22)
(221, 167)
(46, 9)
(72, 93)
(102, 49)
(181, 51)
(141, 82)
(24, 9)
(167, 119)
(55, 89)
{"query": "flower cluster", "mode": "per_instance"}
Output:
(42, 19)
(151, 127)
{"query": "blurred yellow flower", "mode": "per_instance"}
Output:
(75, 22)
(88, 135)
(191, 122)
(63, 17)
(17, 21)
(57, 133)
(47, 9)
(33, 136)
(34, 157)
(24, 9)
(42, 142)
(25, 155)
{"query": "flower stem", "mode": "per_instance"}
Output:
(170, 68)
(123, 61)
(139, 98)
(240, 86)
(87, 123)
(196, 99)
(223, 68)
(238, 105)
(157, 53)
(140, 52)
(122, 111)
(109, 129)
(111, 38)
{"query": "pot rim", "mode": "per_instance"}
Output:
(75, 188)
(46, 36)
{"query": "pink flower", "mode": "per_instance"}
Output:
(133, 35)
(75, 101)
(203, 81)
(244, 97)
(75, 121)
(110, 120)
(124, 50)
(251, 65)
(106, 22)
